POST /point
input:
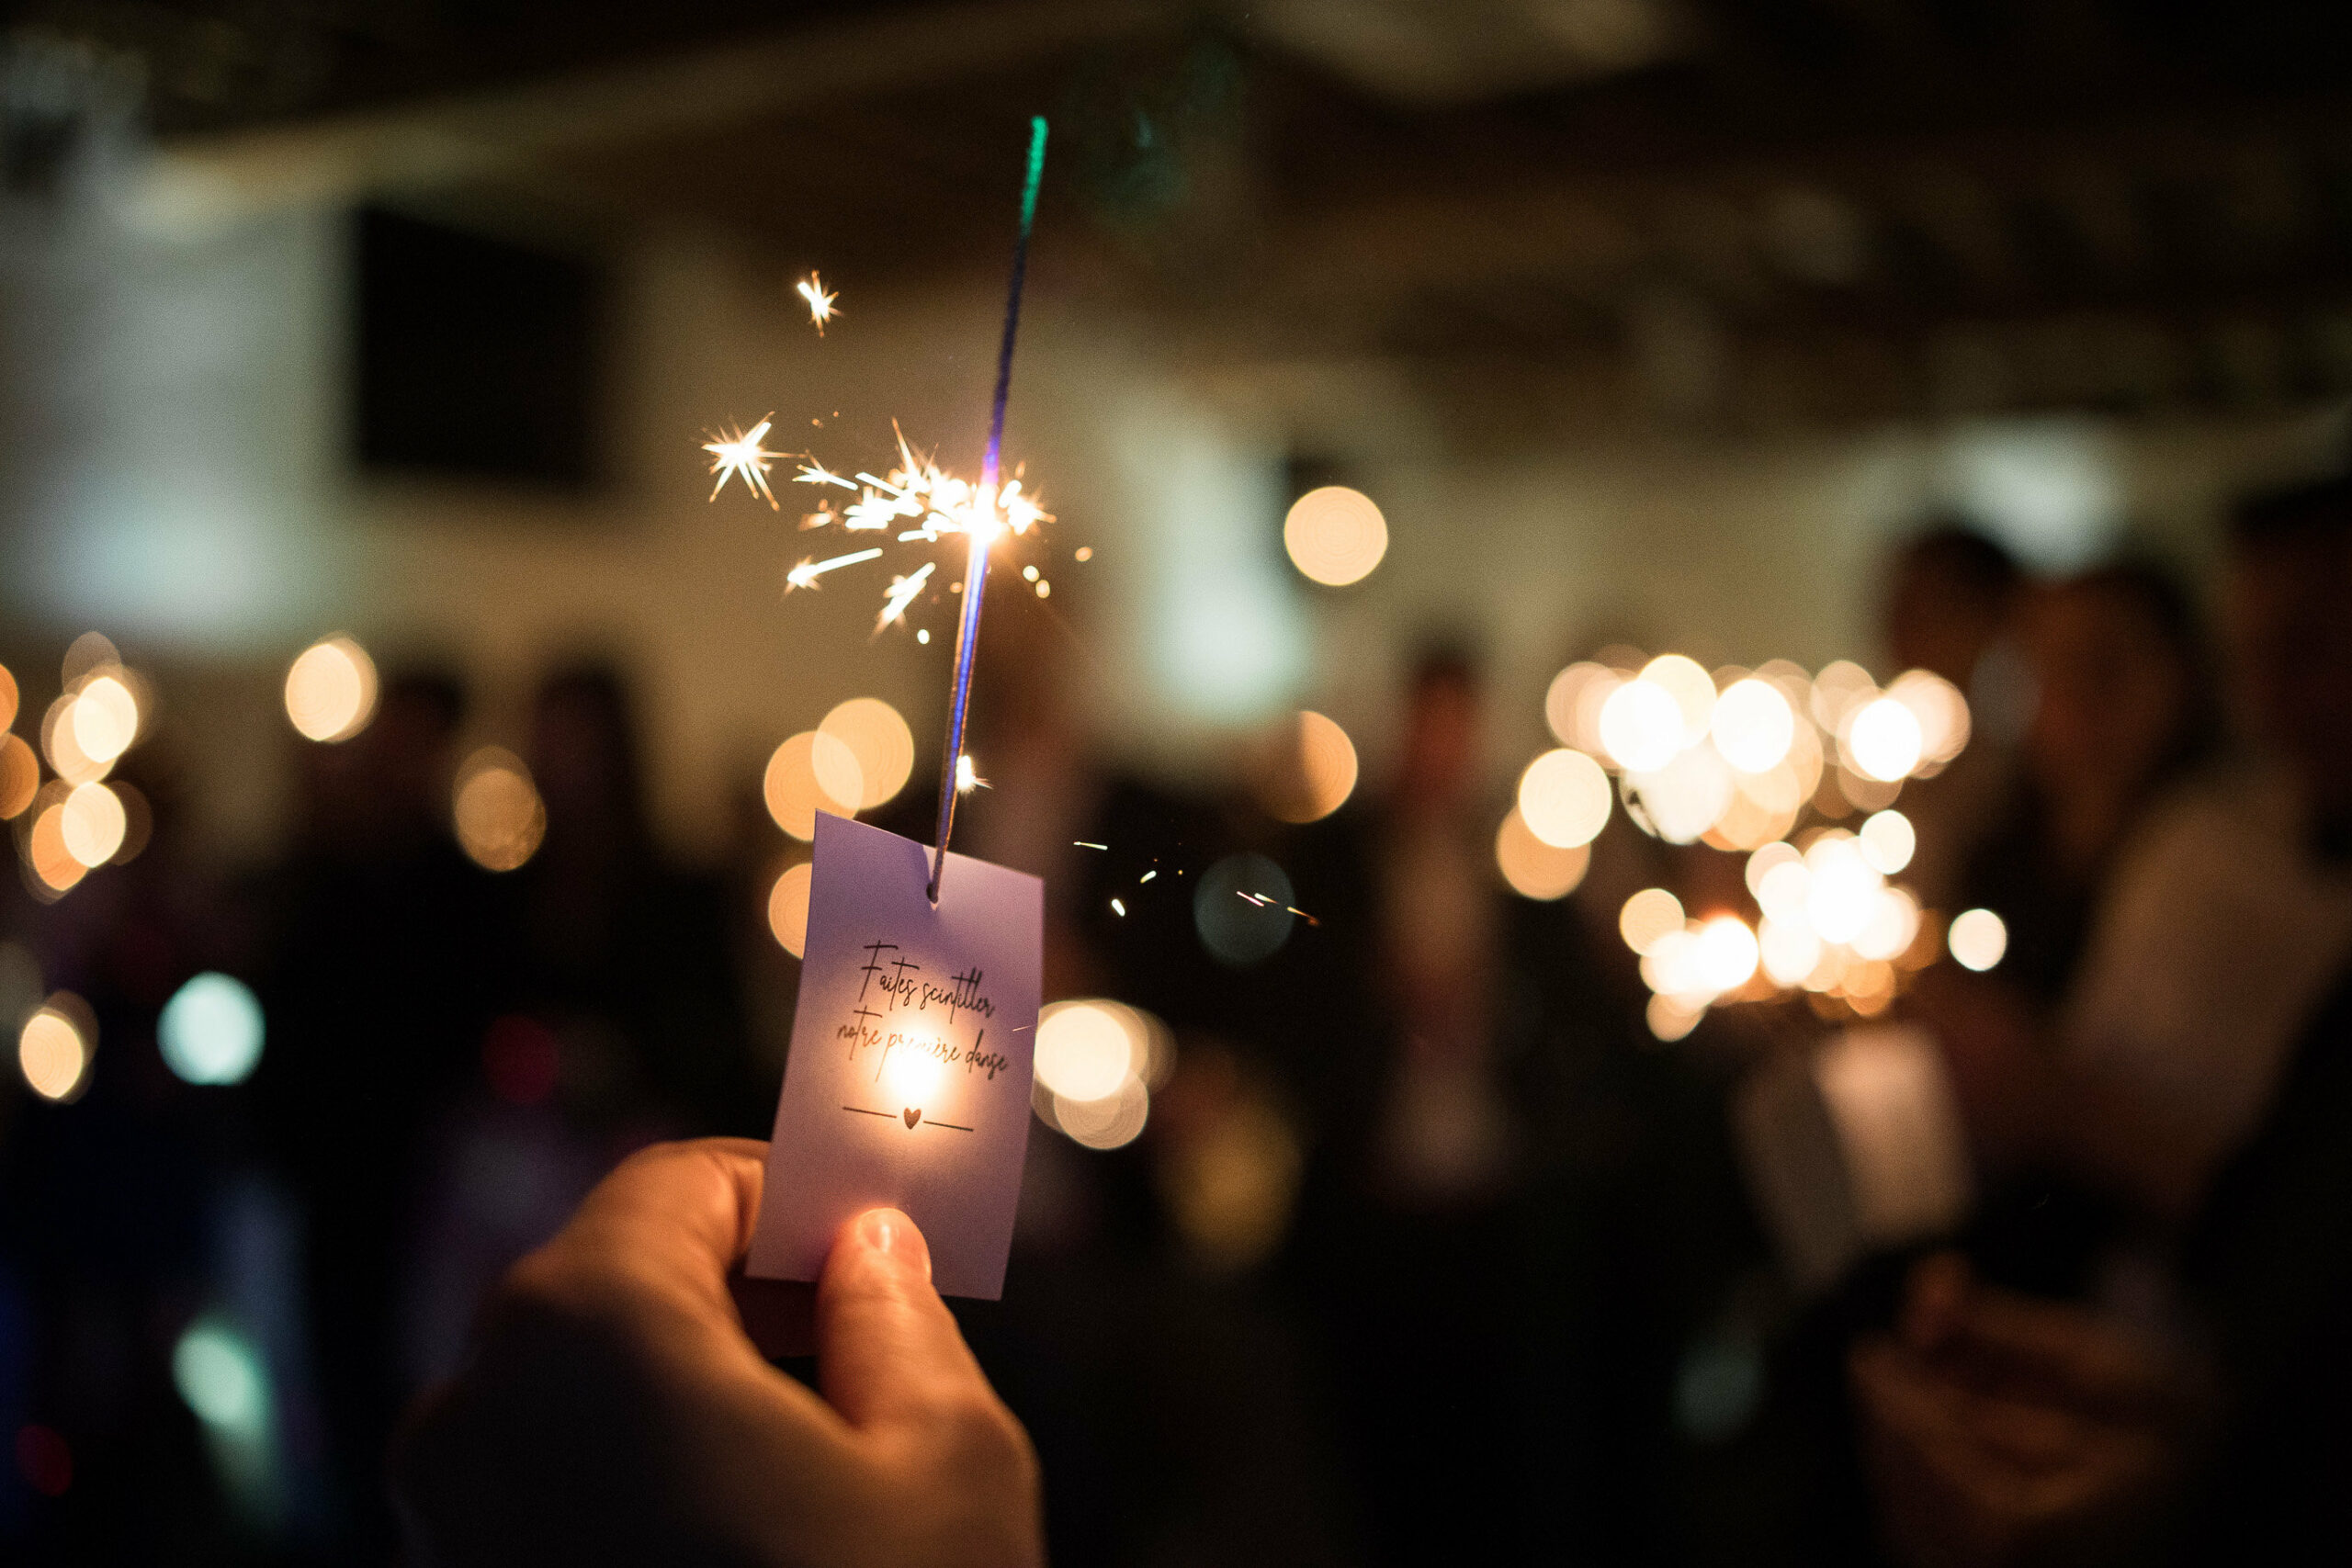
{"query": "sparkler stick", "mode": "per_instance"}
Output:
(976, 569)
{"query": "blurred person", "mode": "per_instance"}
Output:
(623, 956)
(2259, 1213)
(1444, 1135)
(1453, 1219)
(618, 1407)
(618, 1020)
(2122, 708)
(1948, 602)
(383, 960)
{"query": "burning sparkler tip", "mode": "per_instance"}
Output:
(820, 303)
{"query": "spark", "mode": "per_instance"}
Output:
(820, 304)
(806, 574)
(1263, 902)
(968, 778)
(813, 472)
(1083, 844)
(1147, 876)
(741, 454)
(1117, 907)
(902, 594)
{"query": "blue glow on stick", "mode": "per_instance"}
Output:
(976, 567)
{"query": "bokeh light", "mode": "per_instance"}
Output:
(1648, 917)
(211, 1030)
(878, 741)
(1564, 798)
(55, 1047)
(1883, 741)
(1893, 925)
(1841, 887)
(1978, 938)
(220, 1376)
(1888, 841)
(62, 745)
(812, 771)
(1310, 770)
(1842, 687)
(1641, 726)
(499, 816)
(1239, 931)
(105, 716)
(1086, 1050)
(1788, 950)
(19, 776)
(331, 690)
(1753, 726)
(1672, 1018)
(1682, 800)
(8, 696)
(1572, 701)
(1692, 689)
(1335, 535)
(91, 824)
(1108, 1124)
(1725, 955)
(1941, 711)
(53, 864)
(788, 909)
(1534, 868)
(1761, 864)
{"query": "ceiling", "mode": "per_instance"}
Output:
(1719, 212)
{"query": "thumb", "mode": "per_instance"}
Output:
(889, 1352)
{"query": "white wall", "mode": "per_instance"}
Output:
(177, 481)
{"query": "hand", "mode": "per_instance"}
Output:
(2002, 1429)
(615, 1410)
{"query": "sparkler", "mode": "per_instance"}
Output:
(806, 574)
(741, 454)
(820, 304)
(976, 570)
(902, 594)
(916, 502)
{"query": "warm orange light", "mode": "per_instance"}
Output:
(1693, 691)
(8, 697)
(52, 1051)
(1882, 740)
(331, 690)
(91, 824)
(1978, 938)
(1311, 770)
(1564, 798)
(1753, 726)
(105, 716)
(1648, 917)
(788, 909)
(1086, 1050)
(1335, 535)
(810, 772)
(45, 851)
(879, 743)
(1534, 868)
(19, 776)
(500, 819)
(60, 740)
(1888, 840)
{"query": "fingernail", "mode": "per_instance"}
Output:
(894, 1236)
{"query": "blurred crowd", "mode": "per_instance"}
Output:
(1428, 1248)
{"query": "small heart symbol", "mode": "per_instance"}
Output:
(913, 1116)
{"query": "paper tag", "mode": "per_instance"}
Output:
(907, 1084)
